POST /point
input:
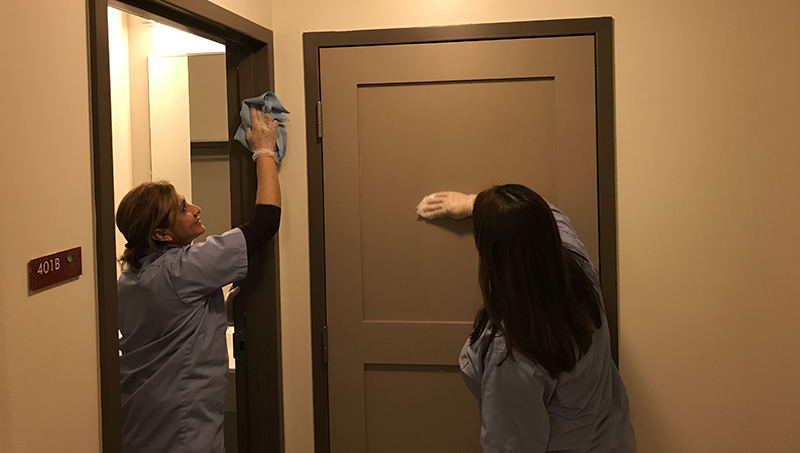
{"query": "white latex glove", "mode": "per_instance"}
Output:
(455, 205)
(263, 135)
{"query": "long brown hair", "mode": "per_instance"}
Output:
(145, 208)
(535, 292)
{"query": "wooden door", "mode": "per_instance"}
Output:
(400, 122)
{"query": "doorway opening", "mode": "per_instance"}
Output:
(170, 122)
(167, 82)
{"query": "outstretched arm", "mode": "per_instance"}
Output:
(262, 138)
(266, 220)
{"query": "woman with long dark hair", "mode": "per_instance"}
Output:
(172, 316)
(539, 358)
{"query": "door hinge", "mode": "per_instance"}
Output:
(325, 344)
(319, 119)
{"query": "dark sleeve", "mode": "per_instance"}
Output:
(568, 235)
(261, 228)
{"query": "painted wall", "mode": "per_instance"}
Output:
(170, 136)
(707, 107)
(258, 11)
(120, 109)
(48, 341)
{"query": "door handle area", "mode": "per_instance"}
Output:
(240, 344)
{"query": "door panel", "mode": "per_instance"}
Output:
(401, 416)
(402, 130)
(401, 122)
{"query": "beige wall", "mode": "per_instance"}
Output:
(140, 45)
(48, 341)
(120, 109)
(707, 162)
(258, 11)
(170, 137)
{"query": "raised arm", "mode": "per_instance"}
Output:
(266, 220)
(262, 138)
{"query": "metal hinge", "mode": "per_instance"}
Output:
(319, 119)
(325, 344)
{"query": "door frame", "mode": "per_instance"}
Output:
(601, 28)
(249, 72)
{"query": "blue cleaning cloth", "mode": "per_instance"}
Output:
(267, 103)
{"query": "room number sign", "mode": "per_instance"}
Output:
(53, 269)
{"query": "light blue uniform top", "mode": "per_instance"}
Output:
(174, 356)
(523, 410)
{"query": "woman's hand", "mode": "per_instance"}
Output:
(263, 135)
(455, 205)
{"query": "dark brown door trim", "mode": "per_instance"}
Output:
(249, 67)
(602, 30)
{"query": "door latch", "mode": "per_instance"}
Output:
(240, 344)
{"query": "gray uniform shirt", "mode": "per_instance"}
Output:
(174, 356)
(523, 410)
